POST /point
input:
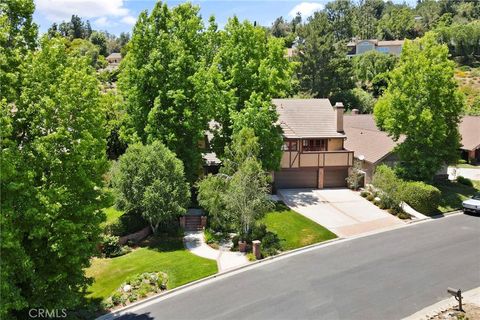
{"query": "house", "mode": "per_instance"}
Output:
(356, 47)
(374, 147)
(470, 132)
(313, 151)
(114, 58)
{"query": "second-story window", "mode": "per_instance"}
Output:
(314, 145)
(289, 145)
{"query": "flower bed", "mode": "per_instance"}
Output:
(138, 287)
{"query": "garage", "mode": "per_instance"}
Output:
(335, 177)
(296, 178)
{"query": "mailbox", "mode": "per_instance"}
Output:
(457, 293)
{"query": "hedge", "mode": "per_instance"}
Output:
(420, 196)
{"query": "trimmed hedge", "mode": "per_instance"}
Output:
(420, 196)
(465, 181)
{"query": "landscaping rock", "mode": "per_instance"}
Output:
(127, 288)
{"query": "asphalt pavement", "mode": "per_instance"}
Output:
(389, 275)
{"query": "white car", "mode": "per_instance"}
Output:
(472, 205)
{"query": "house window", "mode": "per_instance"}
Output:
(289, 145)
(314, 145)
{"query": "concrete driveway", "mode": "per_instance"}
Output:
(342, 211)
(470, 173)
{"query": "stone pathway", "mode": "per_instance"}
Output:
(226, 259)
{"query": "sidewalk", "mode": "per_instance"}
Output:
(471, 297)
(195, 243)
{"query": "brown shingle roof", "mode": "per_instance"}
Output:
(366, 139)
(470, 131)
(307, 118)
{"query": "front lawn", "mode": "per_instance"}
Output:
(167, 255)
(112, 214)
(296, 230)
(453, 193)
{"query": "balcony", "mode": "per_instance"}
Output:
(309, 159)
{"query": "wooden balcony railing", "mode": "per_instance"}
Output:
(294, 159)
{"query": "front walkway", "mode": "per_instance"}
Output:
(342, 211)
(195, 243)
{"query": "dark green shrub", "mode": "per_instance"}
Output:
(370, 197)
(126, 224)
(110, 246)
(364, 194)
(420, 196)
(465, 181)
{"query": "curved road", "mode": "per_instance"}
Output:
(388, 275)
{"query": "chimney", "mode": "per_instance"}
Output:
(355, 111)
(339, 116)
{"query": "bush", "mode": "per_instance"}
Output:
(126, 224)
(420, 196)
(465, 181)
(251, 257)
(110, 246)
(364, 194)
(370, 197)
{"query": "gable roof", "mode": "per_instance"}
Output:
(470, 132)
(366, 139)
(307, 118)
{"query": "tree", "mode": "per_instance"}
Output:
(246, 197)
(238, 196)
(150, 181)
(261, 117)
(246, 61)
(398, 22)
(157, 81)
(17, 37)
(423, 104)
(53, 145)
(367, 15)
(100, 40)
(341, 15)
(463, 41)
(324, 67)
(369, 65)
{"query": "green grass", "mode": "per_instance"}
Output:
(112, 214)
(454, 193)
(158, 254)
(296, 230)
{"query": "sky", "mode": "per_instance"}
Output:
(116, 16)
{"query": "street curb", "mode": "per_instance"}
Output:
(117, 312)
(114, 313)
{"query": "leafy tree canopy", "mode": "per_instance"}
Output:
(150, 181)
(423, 104)
(53, 145)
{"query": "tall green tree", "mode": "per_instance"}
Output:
(53, 145)
(261, 117)
(367, 15)
(100, 40)
(18, 36)
(157, 81)
(150, 181)
(324, 67)
(341, 13)
(423, 104)
(370, 65)
(248, 62)
(398, 22)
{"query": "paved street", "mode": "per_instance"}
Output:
(384, 276)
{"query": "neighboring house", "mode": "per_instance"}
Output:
(470, 132)
(114, 58)
(374, 147)
(313, 151)
(356, 47)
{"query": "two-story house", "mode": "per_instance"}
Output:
(313, 151)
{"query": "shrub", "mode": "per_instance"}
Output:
(126, 224)
(118, 298)
(465, 181)
(389, 184)
(110, 246)
(364, 194)
(420, 196)
(370, 197)
(251, 257)
(376, 202)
